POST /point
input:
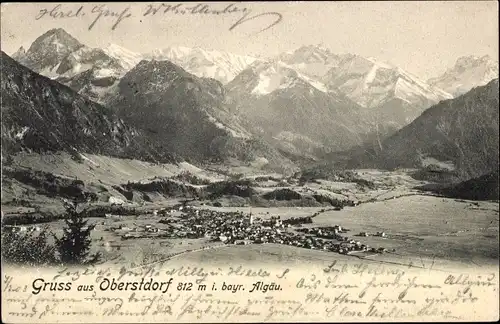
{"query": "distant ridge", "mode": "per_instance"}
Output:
(463, 130)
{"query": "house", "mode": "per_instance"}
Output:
(278, 222)
(113, 216)
(115, 201)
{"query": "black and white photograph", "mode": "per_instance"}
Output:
(256, 139)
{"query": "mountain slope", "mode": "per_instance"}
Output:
(389, 94)
(221, 66)
(463, 130)
(183, 114)
(293, 110)
(94, 72)
(40, 114)
(91, 72)
(468, 72)
(125, 57)
(311, 60)
(482, 188)
(19, 54)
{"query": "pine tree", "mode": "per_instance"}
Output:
(74, 245)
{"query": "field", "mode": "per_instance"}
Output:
(419, 228)
(423, 230)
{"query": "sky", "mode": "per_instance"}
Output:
(422, 37)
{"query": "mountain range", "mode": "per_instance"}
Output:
(292, 110)
(221, 66)
(205, 105)
(461, 135)
(184, 114)
(39, 114)
(388, 93)
(158, 98)
(468, 72)
(391, 96)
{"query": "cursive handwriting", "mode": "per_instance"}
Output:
(97, 13)
(102, 13)
(209, 9)
(339, 292)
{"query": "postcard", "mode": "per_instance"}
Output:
(234, 162)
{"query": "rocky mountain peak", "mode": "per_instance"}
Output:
(57, 39)
(470, 60)
(19, 54)
(468, 72)
(47, 51)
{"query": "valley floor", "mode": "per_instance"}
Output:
(419, 229)
(424, 231)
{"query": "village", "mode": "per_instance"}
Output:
(238, 228)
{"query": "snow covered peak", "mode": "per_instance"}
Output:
(265, 77)
(308, 53)
(367, 81)
(468, 72)
(371, 83)
(382, 64)
(467, 61)
(87, 58)
(127, 58)
(218, 65)
(169, 52)
(272, 76)
(313, 60)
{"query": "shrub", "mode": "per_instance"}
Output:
(241, 188)
(165, 187)
(236, 176)
(188, 177)
(35, 249)
(8, 160)
(282, 194)
(29, 248)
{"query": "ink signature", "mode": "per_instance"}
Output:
(101, 13)
(208, 9)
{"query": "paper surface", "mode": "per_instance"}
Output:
(249, 162)
(346, 291)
